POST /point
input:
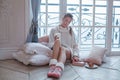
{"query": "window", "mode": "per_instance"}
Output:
(116, 26)
(49, 15)
(92, 22)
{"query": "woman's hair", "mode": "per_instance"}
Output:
(68, 15)
(71, 16)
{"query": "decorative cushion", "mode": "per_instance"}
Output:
(36, 48)
(22, 57)
(39, 60)
(32, 59)
(96, 55)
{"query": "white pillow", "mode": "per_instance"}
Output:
(22, 57)
(39, 60)
(35, 59)
(36, 48)
(96, 55)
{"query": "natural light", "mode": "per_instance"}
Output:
(90, 21)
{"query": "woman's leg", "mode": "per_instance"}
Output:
(59, 54)
(60, 65)
(56, 49)
(54, 59)
(62, 55)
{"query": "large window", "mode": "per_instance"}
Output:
(48, 16)
(92, 22)
(116, 26)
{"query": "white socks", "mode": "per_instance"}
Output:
(54, 62)
(60, 64)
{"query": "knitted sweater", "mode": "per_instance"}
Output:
(67, 40)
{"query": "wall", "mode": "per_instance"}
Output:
(13, 22)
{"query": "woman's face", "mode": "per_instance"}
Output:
(66, 21)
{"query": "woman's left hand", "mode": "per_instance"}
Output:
(75, 59)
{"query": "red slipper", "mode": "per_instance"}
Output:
(50, 72)
(57, 72)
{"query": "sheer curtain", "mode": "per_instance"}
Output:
(33, 31)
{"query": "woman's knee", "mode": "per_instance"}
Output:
(57, 42)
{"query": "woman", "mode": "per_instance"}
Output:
(62, 42)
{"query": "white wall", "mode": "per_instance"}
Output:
(13, 22)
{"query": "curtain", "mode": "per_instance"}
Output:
(33, 31)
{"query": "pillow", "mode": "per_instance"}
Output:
(96, 55)
(36, 59)
(36, 48)
(22, 57)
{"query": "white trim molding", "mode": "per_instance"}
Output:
(6, 53)
(18, 21)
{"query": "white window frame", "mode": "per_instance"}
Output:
(63, 7)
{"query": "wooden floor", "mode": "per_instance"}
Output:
(13, 70)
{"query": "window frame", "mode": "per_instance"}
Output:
(108, 39)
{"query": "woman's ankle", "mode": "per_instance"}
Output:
(53, 62)
(60, 65)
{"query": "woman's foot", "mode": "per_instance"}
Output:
(57, 72)
(50, 72)
(52, 65)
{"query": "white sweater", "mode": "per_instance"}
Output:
(67, 40)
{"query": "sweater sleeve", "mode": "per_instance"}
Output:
(51, 38)
(75, 47)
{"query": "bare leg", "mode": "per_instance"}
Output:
(62, 55)
(59, 54)
(54, 60)
(60, 65)
(56, 49)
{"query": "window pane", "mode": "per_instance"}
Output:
(87, 13)
(116, 13)
(116, 26)
(100, 20)
(53, 19)
(49, 15)
(100, 12)
(73, 7)
(52, 1)
(86, 38)
(87, 2)
(116, 39)
(99, 36)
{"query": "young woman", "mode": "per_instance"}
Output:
(62, 42)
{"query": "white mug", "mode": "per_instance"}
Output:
(58, 35)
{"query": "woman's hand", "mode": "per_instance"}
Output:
(75, 59)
